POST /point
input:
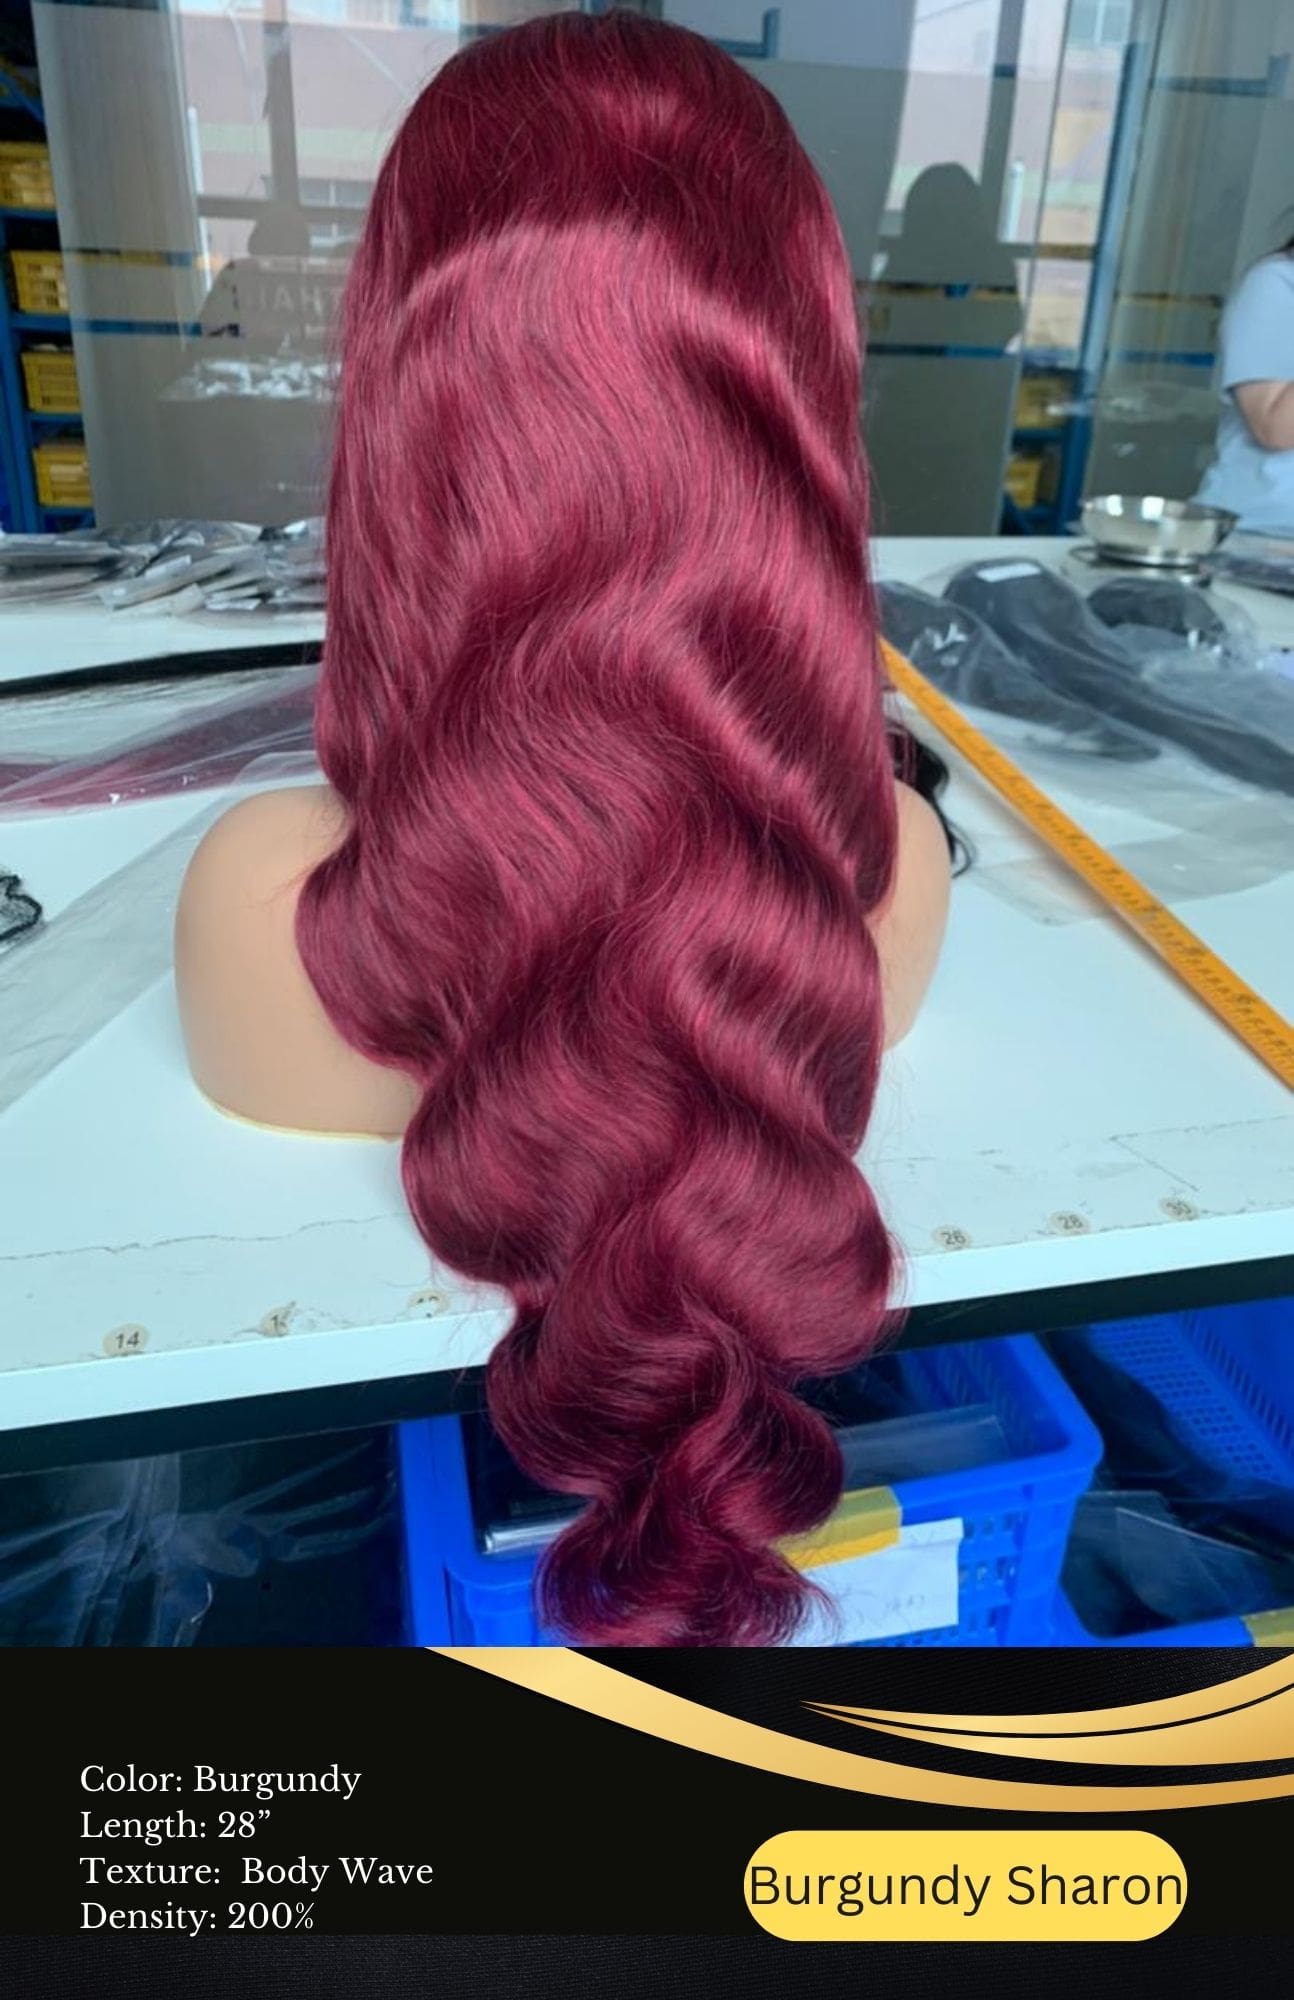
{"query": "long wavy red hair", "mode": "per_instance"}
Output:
(601, 696)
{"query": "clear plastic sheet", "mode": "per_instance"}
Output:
(183, 746)
(968, 662)
(40, 568)
(66, 982)
(1201, 652)
(1263, 562)
(75, 974)
(1166, 1536)
(1133, 1566)
(923, 1445)
(1146, 1452)
(86, 1558)
(170, 566)
(1174, 688)
(66, 979)
(79, 720)
(136, 1553)
(1185, 827)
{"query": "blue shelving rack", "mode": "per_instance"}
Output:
(21, 429)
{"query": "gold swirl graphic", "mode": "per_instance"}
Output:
(1253, 1685)
(613, 1696)
(1248, 1721)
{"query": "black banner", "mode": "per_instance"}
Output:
(179, 1800)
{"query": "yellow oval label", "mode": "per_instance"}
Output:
(815, 1887)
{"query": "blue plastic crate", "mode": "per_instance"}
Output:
(1016, 1513)
(1226, 1378)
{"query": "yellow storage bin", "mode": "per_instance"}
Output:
(25, 177)
(40, 283)
(1024, 476)
(1042, 401)
(62, 474)
(50, 375)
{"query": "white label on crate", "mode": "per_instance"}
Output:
(1008, 572)
(909, 1587)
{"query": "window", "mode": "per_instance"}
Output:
(1100, 24)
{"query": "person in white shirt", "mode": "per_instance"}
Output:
(1252, 473)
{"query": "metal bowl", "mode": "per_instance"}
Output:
(1162, 534)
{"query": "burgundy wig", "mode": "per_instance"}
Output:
(601, 694)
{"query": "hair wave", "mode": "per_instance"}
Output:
(601, 695)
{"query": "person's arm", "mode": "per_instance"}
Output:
(909, 926)
(1268, 409)
(1258, 352)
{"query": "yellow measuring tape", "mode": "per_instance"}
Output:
(1209, 977)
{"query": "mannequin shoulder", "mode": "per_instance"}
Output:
(258, 1040)
(258, 853)
(235, 924)
(923, 844)
(909, 927)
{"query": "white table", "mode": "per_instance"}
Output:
(1066, 1134)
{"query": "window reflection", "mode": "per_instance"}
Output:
(214, 162)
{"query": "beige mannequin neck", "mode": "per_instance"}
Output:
(259, 1043)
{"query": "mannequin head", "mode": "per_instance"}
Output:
(601, 698)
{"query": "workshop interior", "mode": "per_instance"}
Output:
(246, 1396)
